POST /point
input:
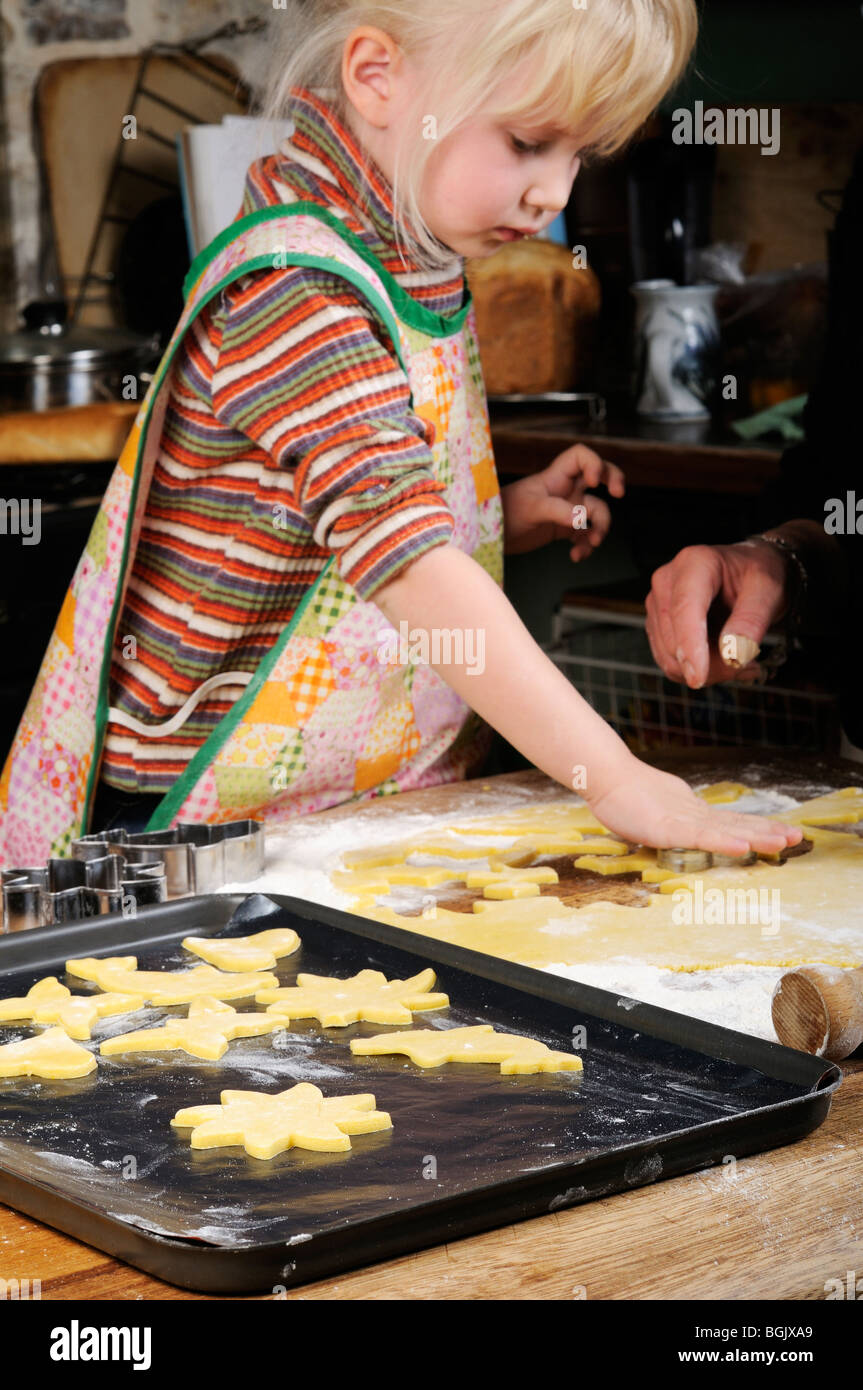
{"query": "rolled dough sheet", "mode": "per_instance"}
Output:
(807, 909)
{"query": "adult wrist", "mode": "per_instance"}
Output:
(795, 591)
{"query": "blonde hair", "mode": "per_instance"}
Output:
(595, 72)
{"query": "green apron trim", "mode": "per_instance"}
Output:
(205, 755)
(415, 315)
(261, 262)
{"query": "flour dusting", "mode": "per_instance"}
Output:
(302, 857)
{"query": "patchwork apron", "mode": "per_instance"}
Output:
(327, 717)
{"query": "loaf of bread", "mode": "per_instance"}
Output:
(72, 434)
(536, 318)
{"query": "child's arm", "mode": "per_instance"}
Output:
(523, 695)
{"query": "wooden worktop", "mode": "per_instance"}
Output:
(776, 1225)
(691, 456)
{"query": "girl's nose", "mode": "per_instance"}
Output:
(552, 195)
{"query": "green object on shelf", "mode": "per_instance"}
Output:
(781, 417)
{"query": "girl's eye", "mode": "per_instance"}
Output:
(521, 148)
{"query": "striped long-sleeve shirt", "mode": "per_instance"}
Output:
(288, 439)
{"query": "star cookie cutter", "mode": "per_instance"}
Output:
(70, 890)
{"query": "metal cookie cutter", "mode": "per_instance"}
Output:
(196, 858)
(684, 861)
(68, 890)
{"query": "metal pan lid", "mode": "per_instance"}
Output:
(89, 348)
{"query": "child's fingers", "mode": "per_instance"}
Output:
(587, 523)
(591, 470)
(735, 833)
(587, 520)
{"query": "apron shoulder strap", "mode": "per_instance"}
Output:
(286, 235)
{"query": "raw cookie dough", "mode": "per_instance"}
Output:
(241, 953)
(615, 863)
(52, 1055)
(210, 1026)
(167, 986)
(721, 793)
(50, 1002)
(484, 878)
(843, 807)
(431, 1047)
(364, 998)
(507, 891)
(816, 909)
(381, 879)
(266, 1125)
(387, 855)
(553, 818)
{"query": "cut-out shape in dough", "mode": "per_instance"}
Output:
(681, 883)
(398, 875)
(382, 856)
(121, 973)
(505, 891)
(241, 953)
(721, 793)
(843, 807)
(615, 864)
(816, 912)
(52, 1055)
(431, 1047)
(815, 920)
(483, 878)
(50, 1002)
(387, 855)
(653, 874)
(210, 1026)
(266, 1125)
(525, 851)
(605, 846)
(364, 998)
(553, 818)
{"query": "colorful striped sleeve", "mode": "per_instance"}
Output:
(306, 370)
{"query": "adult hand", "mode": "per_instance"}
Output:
(743, 587)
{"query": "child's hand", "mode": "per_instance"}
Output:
(649, 807)
(542, 508)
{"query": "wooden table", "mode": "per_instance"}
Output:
(777, 1225)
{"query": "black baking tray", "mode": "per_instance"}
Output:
(661, 1094)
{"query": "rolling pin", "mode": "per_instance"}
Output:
(819, 1009)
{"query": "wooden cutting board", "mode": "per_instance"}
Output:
(80, 105)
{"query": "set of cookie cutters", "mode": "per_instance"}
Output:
(115, 871)
(69, 890)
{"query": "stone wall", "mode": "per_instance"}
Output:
(34, 33)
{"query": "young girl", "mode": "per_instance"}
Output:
(292, 594)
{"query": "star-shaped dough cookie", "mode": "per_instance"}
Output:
(431, 1047)
(367, 997)
(239, 953)
(167, 986)
(51, 1054)
(205, 1033)
(266, 1125)
(50, 1002)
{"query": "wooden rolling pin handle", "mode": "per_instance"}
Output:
(819, 1009)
